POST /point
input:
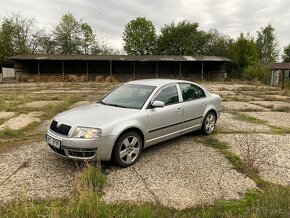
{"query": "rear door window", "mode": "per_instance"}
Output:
(191, 92)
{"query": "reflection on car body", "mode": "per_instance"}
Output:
(132, 117)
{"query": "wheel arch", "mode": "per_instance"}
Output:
(134, 129)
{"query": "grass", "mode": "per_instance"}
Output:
(272, 201)
(248, 118)
(52, 109)
(30, 130)
(280, 130)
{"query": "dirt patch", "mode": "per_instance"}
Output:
(80, 103)
(20, 121)
(180, 173)
(270, 154)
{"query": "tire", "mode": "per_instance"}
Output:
(127, 149)
(209, 123)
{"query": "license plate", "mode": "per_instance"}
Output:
(53, 142)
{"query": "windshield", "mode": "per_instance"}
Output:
(128, 96)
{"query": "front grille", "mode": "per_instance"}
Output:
(63, 129)
(81, 153)
(57, 150)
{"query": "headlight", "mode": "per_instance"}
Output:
(87, 133)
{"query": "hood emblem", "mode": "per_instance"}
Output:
(58, 124)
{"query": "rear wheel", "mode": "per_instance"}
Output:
(127, 149)
(209, 123)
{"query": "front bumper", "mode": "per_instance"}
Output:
(83, 149)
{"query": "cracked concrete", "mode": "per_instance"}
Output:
(180, 173)
(33, 171)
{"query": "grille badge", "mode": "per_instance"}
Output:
(58, 124)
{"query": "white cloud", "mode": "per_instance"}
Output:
(110, 17)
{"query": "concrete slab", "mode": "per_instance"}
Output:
(280, 119)
(34, 172)
(269, 153)
(228, 123)
(180, 173)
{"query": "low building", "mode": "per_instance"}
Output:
(122, 67)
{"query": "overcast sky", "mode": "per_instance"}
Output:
(108, 17)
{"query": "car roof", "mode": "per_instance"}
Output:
(156, 82)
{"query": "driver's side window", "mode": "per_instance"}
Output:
(168, 95)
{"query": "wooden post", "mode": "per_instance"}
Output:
(283, 79)
(180, 69)
(110, 67)
(62, 67)
(38, 70)
(87, 69)
(157, 70)
(134, 70)
(202, 74)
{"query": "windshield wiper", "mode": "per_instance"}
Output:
(116, 105)
(101, 102)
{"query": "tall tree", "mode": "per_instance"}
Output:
(139, 37)
(183, 38)
(218, 44)
(67, 34)
(88, 38)
(267, 44)
(18, 35)
(286, 55)
(244, 53)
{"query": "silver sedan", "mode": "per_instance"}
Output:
(133, 116)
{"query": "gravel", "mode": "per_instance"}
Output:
(33, 171)
(274, 104)
(280, 119)
(241, 106)
(181, 173)
(227, 123)
(270, 153)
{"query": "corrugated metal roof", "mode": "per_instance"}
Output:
(117, 58)
(282, 66)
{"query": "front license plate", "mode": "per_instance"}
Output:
(52, 141)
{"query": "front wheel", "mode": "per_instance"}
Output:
(209, 122)
(127, 149)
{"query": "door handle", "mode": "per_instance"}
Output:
(179, 109)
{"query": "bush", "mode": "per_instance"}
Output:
(258, 72)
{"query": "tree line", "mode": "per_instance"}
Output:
(20, 35)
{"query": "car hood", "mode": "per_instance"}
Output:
(94, 115)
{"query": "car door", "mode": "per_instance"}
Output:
(193, 106)
(166, 122)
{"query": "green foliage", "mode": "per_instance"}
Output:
(67, 34)
(286, 55)
(52, 109)
(18, 35)
(139, 37)
(218, 44)
(183, 38)
(244, 53)
(258, 72)
(267, 45)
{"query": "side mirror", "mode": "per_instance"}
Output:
(158, 104)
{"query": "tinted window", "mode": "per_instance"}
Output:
(191, 92)
(168, 95)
